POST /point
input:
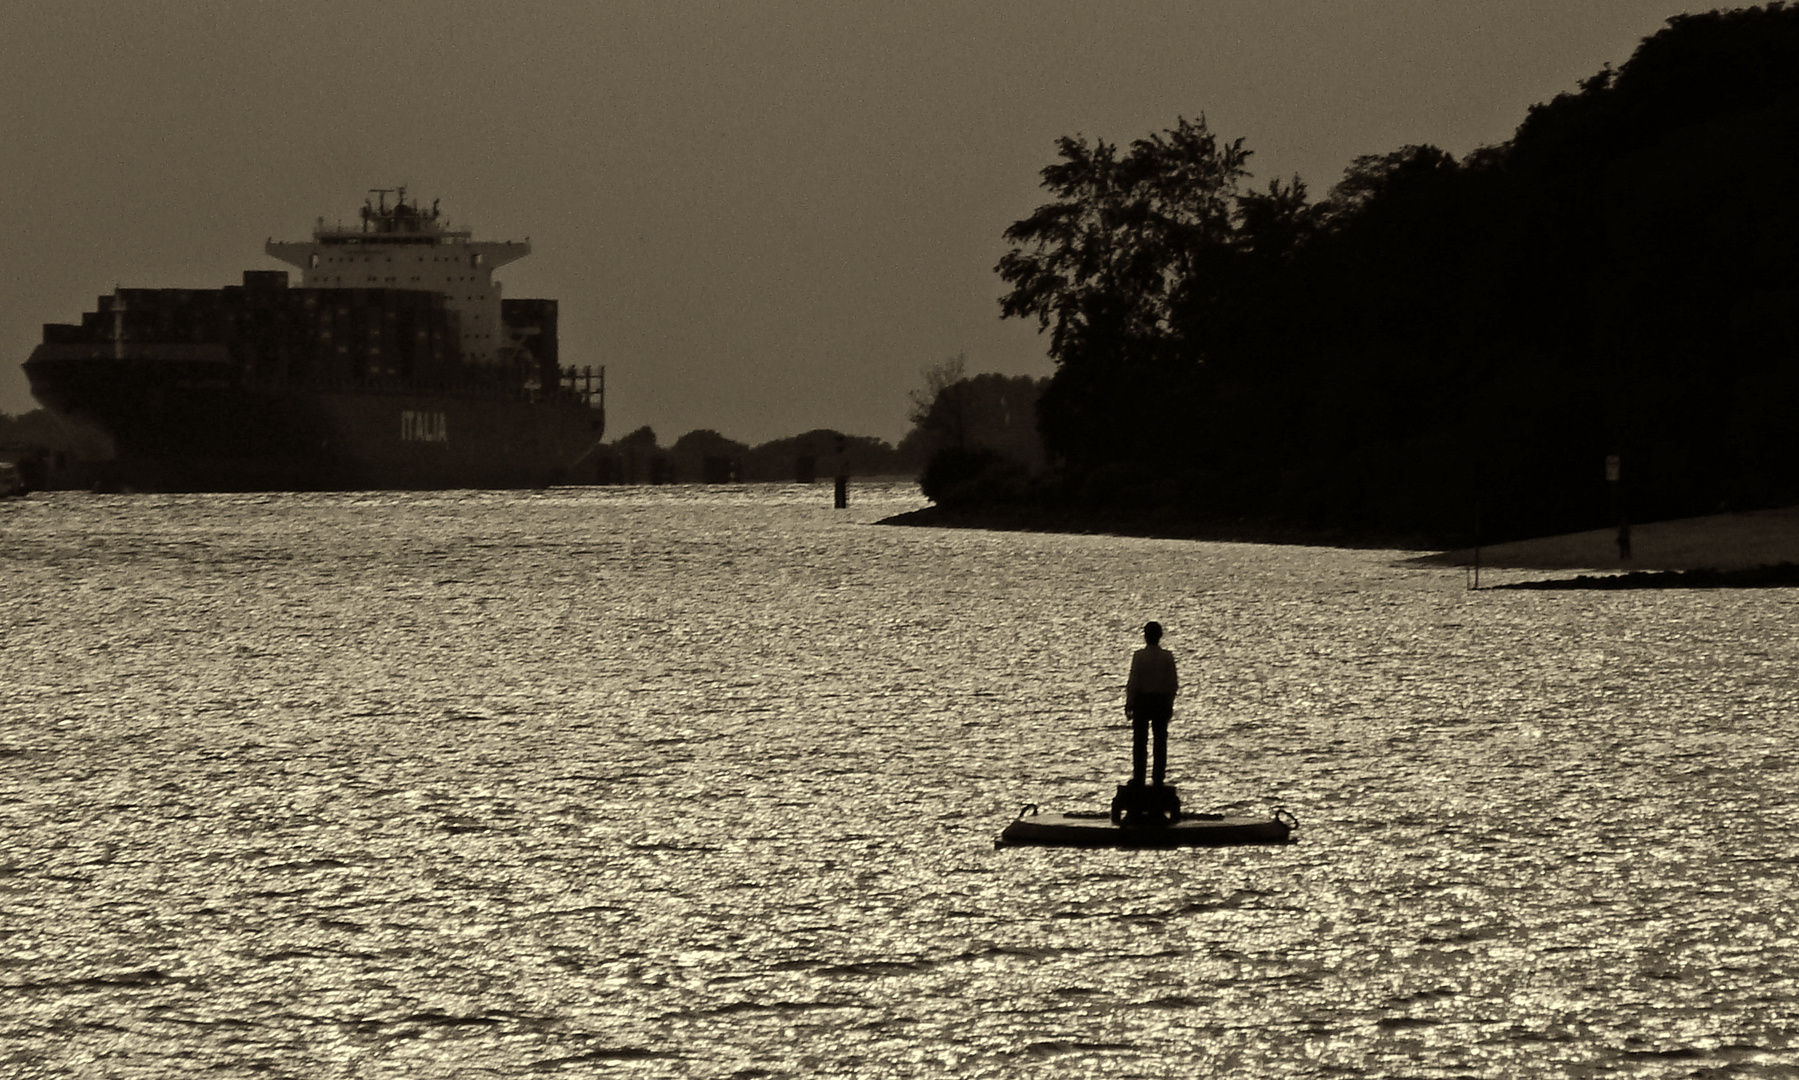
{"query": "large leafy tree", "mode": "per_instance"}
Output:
(1102, 264)
(1127, 239)
(1144, 268)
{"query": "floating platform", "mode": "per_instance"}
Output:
(1099, 829)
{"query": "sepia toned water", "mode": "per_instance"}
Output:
(704, 782)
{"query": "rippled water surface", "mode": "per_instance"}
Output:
(704, 782)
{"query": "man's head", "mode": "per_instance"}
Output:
(1152, 632)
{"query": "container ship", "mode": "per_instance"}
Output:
(395, 364)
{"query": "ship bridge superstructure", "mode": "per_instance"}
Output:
(405, 246)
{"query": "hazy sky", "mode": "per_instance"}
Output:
(762, 218)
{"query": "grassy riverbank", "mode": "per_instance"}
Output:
(1167, 527)
(1715, 542)
(1724, 542)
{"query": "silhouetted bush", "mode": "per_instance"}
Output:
(956, 477)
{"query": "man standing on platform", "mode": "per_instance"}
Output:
(1149, 703)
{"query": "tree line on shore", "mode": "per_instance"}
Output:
(705, 456)
(989, 419)
(1437, 349)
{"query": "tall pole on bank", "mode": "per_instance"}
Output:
(1613, 477)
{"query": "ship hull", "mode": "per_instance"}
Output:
(188, 426)
(414, 373)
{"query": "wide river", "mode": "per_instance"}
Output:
(705, 781)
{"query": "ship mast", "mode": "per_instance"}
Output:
(370, 213)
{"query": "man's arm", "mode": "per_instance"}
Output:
(1130, 688)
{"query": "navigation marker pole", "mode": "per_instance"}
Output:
(842, 499)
